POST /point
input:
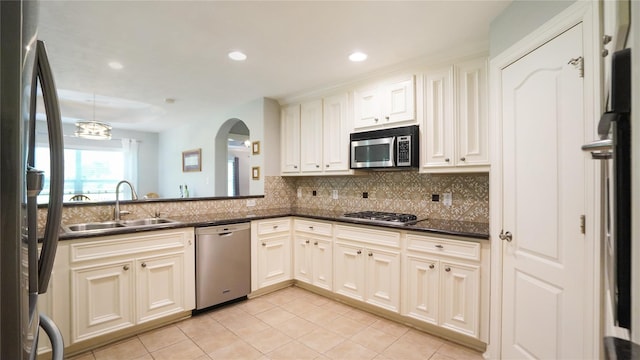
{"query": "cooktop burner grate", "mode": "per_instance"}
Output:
(384, 217)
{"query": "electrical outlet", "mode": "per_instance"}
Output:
(365, 195)
(251, 202)
(314, 193)
(446, 199)
(299, 192)
(334, 194)
(435, 197)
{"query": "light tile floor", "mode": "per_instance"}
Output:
(291, 323)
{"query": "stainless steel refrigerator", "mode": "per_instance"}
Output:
(25, 273)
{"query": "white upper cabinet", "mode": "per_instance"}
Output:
(315, 137)
(336, 129)
(472, 108)
(385, 104)
(311, 136)
(455, 117)
(290, 142)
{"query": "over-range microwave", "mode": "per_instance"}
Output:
(386, 149)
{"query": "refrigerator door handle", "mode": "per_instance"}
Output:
(56, 153)
(55, 337)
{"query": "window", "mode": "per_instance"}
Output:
(90, 172)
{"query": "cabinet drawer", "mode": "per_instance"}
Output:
(313, 227)
(273, 226)
(454, 248)
(111, 246)
(368, 236)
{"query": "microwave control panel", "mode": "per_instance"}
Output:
(404, 151)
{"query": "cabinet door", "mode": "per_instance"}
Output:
(422, 292)
(460, 300)
(322, 254)
(366, 107)
(160, 286)
(311, 136)
(103, 299)
(472, 128)
(439, 117)
(336, 133)
(290, 142)
(383, 279)
(302, 258)
(399, 100)
(274, 260)
(349, 270)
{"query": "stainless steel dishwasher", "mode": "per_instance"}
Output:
(223, 264)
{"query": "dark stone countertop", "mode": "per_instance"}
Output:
(467, 229)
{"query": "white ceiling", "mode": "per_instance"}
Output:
(178, 49)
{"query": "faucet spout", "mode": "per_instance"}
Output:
(134, 196)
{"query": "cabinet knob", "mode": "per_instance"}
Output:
(306, 242)
(370, 253)
(463, 159)
(264, 244)
(359, 252)
(310, 227)
(275, 227)
(315, 243)
(387, 118)
(432, 266)
(447, 269)
(317, 166)
(376, 119)
(295, 166)
(125, 268)
(144, 265)
(327, 165)
(447, 160)
(440, 246)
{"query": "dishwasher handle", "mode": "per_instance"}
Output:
(223, 230)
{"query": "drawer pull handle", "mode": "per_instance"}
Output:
(144, 265)
(310, 227)
(125, 268)
(275, 227)
(432, 266)
(447, 269)
(440, 246)
(315, 243)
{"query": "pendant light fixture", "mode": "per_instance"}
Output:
(93, 130)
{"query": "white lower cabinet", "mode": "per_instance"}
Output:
(124, 280)
(270, 252)
(367, 265)
(443, 283)
(313, 253)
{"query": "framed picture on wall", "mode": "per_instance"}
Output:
(255, 173)
(191, 160)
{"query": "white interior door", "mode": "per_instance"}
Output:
(544, 197)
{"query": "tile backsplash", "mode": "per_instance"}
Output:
(407, 192)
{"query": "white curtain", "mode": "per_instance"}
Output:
(130, 151)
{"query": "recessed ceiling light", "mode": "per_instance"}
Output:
(358, 56)
(115, 65)
(237, 56)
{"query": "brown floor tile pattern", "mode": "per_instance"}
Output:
(279, 326)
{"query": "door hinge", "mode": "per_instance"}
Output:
(578, 63)
(582, 223)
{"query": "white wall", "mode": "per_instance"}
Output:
(257, 115)
(519, 19)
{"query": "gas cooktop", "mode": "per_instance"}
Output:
(383, 217)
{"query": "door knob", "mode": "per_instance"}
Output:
(506, 236)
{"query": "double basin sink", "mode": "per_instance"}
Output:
(106, 226)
